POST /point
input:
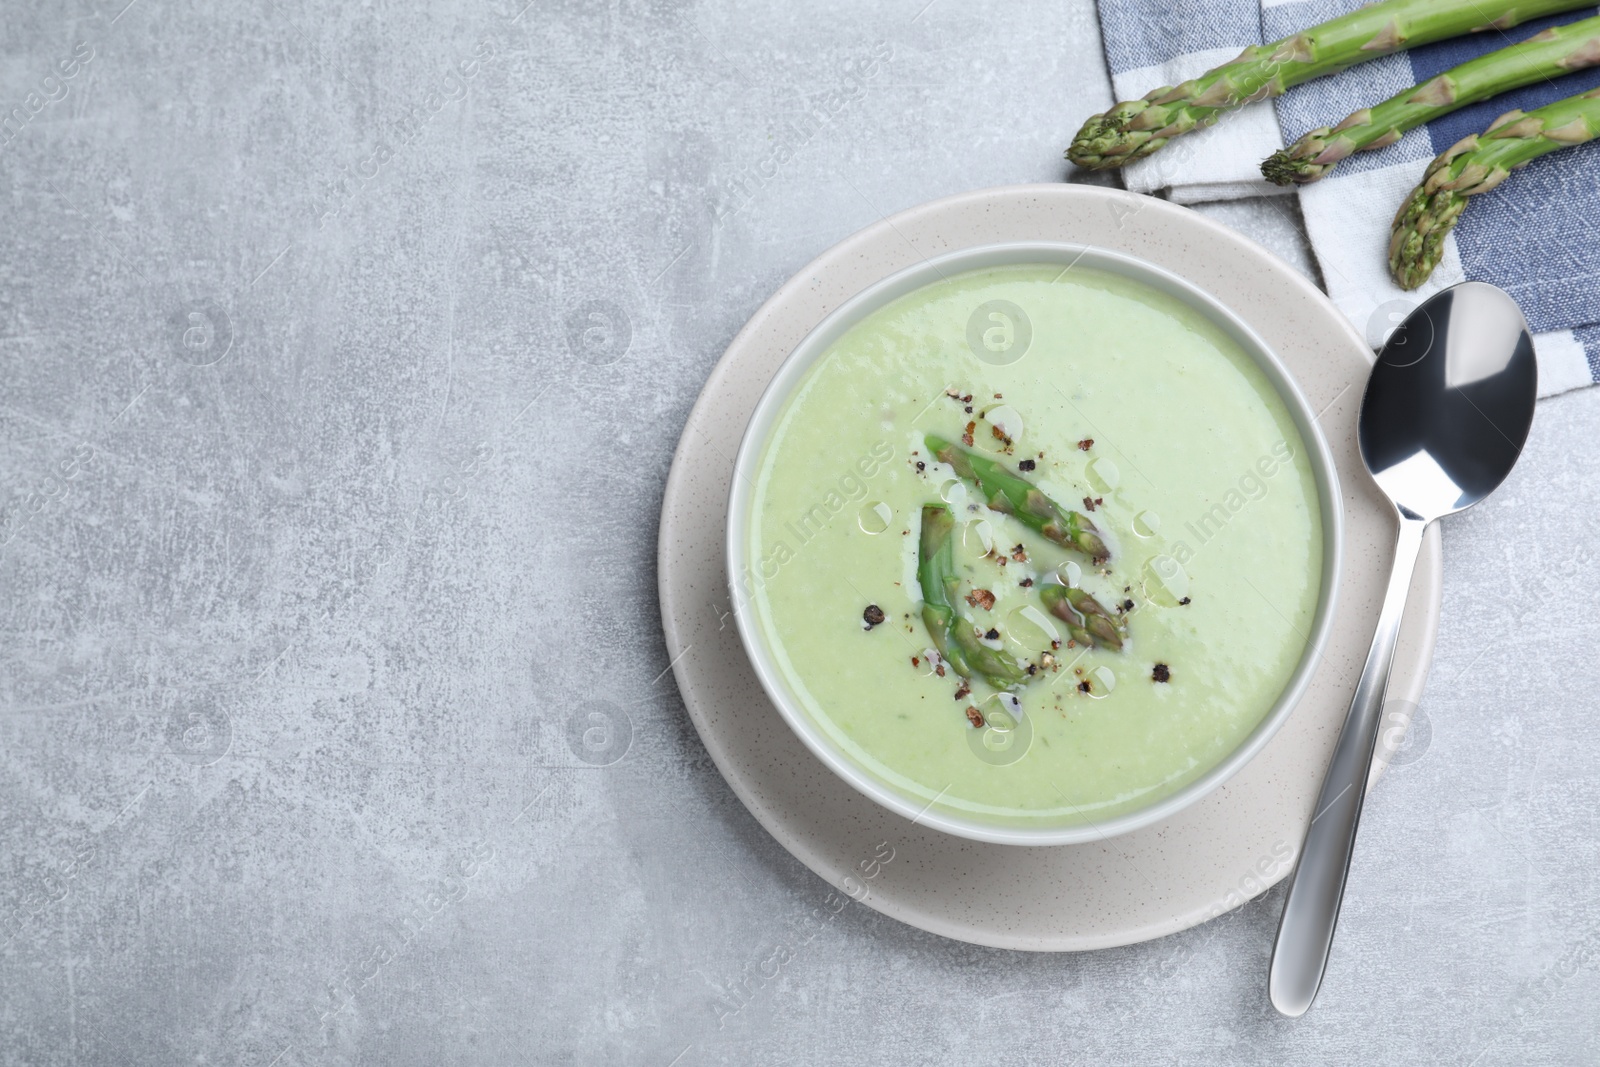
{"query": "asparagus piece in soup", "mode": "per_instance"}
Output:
(1011, 494)
(952, 635)
(1087, 622)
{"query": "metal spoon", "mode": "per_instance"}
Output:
(1446, 412)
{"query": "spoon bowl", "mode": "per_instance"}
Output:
(1447, 410)
(1449, 403)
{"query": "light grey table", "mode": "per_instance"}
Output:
(334, 537)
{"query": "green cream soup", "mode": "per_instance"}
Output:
(1117, 401)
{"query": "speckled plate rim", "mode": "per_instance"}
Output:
(1230, 846)
(841, 319)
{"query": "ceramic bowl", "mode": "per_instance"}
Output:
(793, 370)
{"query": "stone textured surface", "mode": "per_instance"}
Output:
(344, 349)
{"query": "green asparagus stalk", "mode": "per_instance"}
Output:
(1475, 165)
(1013, 495)
(1134, 129)
(1087, 622)
(952, 635)
(1556, 51)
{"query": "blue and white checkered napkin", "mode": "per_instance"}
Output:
(1534, 236)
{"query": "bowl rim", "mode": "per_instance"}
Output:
(804, 355)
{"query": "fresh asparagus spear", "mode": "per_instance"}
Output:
(952, 635)
(1134, 129)
(1011, 494)
(1087, 622)
(1556, 51)
(1474, 165)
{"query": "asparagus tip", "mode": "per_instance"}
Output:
(1106, 141)
(1282, 169)
(1417, 239)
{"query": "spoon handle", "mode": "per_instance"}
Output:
(1305, 933)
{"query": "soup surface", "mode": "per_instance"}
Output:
(1118, 402)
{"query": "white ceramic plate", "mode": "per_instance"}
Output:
(1232, 844)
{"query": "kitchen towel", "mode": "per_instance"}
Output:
(1535, 236)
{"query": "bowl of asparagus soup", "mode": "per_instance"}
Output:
(1033, 543)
